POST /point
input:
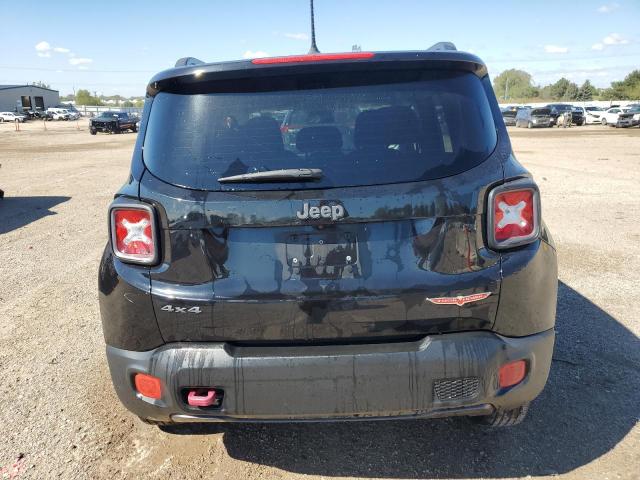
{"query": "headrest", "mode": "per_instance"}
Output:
(386, 126)
(319, 139)
(262, 135)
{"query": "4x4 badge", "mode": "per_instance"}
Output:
(334, 212)
(459, 300)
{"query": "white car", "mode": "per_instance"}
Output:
(11, 117)
(58, 114)
(610, 117)
(592, 115)
(72, 115)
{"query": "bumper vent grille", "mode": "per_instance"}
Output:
(458, 389)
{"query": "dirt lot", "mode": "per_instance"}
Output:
(59, 415)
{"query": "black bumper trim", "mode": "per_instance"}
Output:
(333, 382)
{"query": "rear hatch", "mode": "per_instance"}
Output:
(364, 252)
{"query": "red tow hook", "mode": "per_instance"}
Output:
(201, 398)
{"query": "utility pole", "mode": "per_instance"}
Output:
(506, 89)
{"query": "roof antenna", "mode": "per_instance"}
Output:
(314, 47)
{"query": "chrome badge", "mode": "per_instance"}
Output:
(334, 212)
(460, 300)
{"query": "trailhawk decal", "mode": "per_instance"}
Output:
(460, 300)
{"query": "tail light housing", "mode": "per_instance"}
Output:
(513, 214)
(133, 233)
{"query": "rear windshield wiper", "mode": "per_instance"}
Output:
(282, 175)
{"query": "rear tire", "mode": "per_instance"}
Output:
(134, 129)
(529, 125)
(503, 418)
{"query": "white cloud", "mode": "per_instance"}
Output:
(608, 8)
(79, 61)
(614, 39)
(297, 36)
(610, 40)
(43, 46)
(555, 49)
(256, 54)
(44, 49)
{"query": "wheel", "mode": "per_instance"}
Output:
(116, 129)
(503, 418)
(529, 125)
(134, 129)
(1, 120)
(93, 131)
(604, 122)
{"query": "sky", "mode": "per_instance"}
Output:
(115, 47)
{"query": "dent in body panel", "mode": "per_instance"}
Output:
(128, 319)
(529, 290)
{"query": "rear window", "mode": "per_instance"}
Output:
(540, 111)
(366, 134)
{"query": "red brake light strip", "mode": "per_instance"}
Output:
(316, 57)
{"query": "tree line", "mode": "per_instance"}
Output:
(512, 85)
(84, 97)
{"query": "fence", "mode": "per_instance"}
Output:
(595, 103)
(94, 110)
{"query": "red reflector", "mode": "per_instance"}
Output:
(148, 385)
(514, 214)
(132, 234)
(512, 373)
(316, 57)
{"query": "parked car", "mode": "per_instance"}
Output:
(611, 116)
(509, 117)
(592, 115)
(113, 122)
(408, 275)
(630, 117)
(43, 115)
(577, 117)
(59, 114)
(12, 117)
(533, 117)
(73, 111)
(73, 115)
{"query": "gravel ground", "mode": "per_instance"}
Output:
(60, 417)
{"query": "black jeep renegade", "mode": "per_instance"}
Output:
(388, 259)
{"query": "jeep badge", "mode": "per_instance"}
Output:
(334, 212)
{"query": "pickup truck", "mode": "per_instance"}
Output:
(113, 122)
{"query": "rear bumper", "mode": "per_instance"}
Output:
(316, 383)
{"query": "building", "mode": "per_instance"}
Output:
(27, 97)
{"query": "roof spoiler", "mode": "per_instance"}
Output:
(188, 62)
(436, 47)
(442, 47)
